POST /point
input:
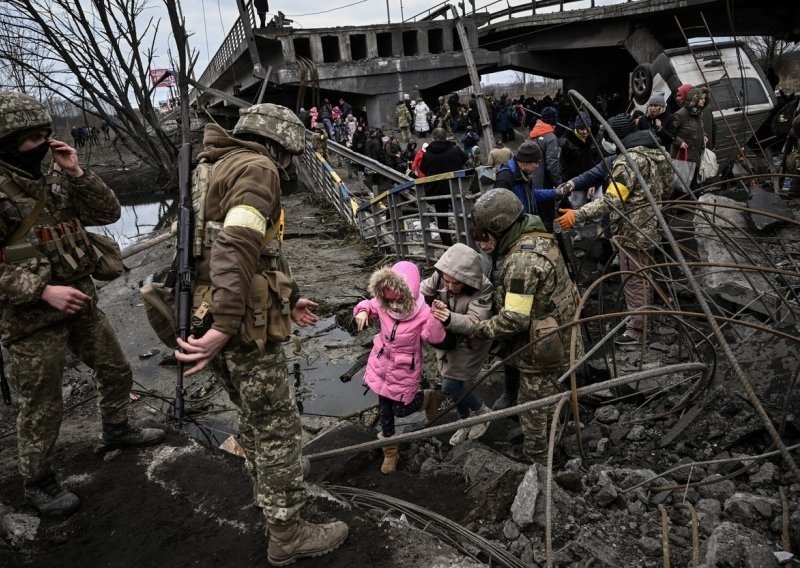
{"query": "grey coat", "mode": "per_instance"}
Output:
(464, 361)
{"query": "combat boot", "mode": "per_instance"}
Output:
(391, 456)
(50, 498)
(302, 539)
(125, 435)
(430, 404)
(510, 392)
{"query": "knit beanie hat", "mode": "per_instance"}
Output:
(583, 120)
(622, 124)
(529, 152)
(550, 115)
(657, 98)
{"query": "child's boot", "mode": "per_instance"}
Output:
(479, 429)
(430, 404)
(390, 458)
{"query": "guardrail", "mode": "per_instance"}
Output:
(232, 47)
(443, 8)
(402, 221)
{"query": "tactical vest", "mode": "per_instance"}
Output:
(56, 247)
(550, 347)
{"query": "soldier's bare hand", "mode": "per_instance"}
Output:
(66, 157)
(65, 298)
(302, 316)
(202, 350)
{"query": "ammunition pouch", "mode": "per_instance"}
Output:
(159, 305)
(548, 346)
(108, 257)
(67, 247)
(267, 315)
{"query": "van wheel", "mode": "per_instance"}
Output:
(641, 83)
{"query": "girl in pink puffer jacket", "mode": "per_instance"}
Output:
(394, 368)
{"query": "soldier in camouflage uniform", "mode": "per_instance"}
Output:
(48, 299)
(444, 115)
(243, 278)
(533, 295)
(403, 120)
(637, 233)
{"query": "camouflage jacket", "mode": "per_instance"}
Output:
(87, 199)
(247, 181)
(534, 284)
(641, 230)
(402, 116)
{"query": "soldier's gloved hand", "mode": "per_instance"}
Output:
(361, 320)
(567, 220)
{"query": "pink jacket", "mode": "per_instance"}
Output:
(394, 368)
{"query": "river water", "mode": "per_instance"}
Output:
(142, 213)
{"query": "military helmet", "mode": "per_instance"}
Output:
(496, 210)
(274, 122)
(19, 111)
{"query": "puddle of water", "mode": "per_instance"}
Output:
(315, 379)
(141, 214)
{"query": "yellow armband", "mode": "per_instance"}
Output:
(246, 216)
(518, 303)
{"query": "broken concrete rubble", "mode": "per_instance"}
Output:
(735, 546)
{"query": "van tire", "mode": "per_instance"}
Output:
(641, 83)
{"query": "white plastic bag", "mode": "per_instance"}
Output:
(708, 165)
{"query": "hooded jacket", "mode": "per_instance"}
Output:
(548, 174)
(688, 125)
(509, 176)
(577, 155)
(248, 179)
(421, 114)
(475, 301)
(394, 367)
(443, 156)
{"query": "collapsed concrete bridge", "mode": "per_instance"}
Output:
(591, 47)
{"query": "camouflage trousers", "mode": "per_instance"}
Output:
(535, 384)
(269, 427)
(36, 367)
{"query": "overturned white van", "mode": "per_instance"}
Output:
(741, 97)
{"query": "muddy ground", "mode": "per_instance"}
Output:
(187, 503)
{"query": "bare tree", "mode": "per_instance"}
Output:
(98, 55)
(770, 50)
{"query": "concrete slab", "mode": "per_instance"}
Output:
(762, 200)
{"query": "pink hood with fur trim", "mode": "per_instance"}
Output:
(395, 365)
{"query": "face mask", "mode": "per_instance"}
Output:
(29, 161)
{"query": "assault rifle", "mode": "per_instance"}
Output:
(185, 270)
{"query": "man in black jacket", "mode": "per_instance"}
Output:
(442, 156)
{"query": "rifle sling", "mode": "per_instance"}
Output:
(11, 189)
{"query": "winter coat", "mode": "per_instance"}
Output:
(394, 367)
(325, 111)
(470, 139)
(577, 155)
(443, 156)
(372, 148)
(641, 230)
(505, 118)
(417, 161)
(664, 133)
(421, 113)
(547, 174)
(689, 126)
(359, 141)
(461, 262)
(402, 116)
(498, 156)
(510, 177)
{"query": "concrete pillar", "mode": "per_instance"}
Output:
(345, 54)
(397, 43)
(289, 55)
(642, 45)
(447, 35)
(422, 41)
(372, 45)
(316, 49)
(380, 111)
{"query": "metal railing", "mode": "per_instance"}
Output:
(509, 10)
(232, 47)
(403, 220)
